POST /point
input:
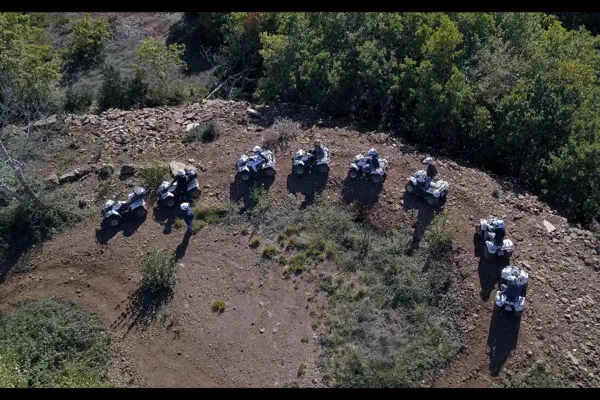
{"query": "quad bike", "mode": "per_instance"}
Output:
(303, 162)
(252, 166)
(167, 195)
(114, 213)
(512, 299)
(492, 232)
(356, 170)
(437, 190)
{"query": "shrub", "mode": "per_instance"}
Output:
(197, 226)
(269, 251)
(111, 93)
(88, 42)
(201, 133)
(52, 343)
(159, 272)
(21, 227)
(179, 223)
(538, 376)
(198, 93)
(441, 233)
(218, 306)
(244, 231)
(301, 370)
(278, 136)
(260, 198)
(213, 213)
(254, 241)
(496, 193)
(79, 98)
(154, 174)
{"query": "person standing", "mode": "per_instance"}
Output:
(188, 216)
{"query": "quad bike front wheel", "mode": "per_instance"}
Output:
(323, 168)
(353, 174)
(169, 202)
(299, 170)
(268, 172)
(244, 176)
(113, 221)
(410, 188)
(140, 212)
(432, 200)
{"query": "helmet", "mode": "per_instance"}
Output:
(372, 153)
(180, 172)
(256, 149)
(184, 206)
(511, 280)
(428, 160)
(317, 143)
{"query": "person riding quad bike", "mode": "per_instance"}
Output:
(431, 172)
(182, 181)
(258, 151)
(514, 287)
(372, 163)
(318, 152)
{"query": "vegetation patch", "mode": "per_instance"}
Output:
(201, 133)
(153, 174)
(52, 343)
(218, 306)
(159, 273)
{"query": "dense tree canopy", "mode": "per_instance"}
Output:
(512, 92)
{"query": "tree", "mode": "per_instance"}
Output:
(158, 59)
(88, 41)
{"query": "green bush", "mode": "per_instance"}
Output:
(159, 272)
(201, 133)
(537, 376)
(52, 343)
(269, 252)
(154, 174)
(89, 38)
(117, 91)
(254, 241)
(213, 213)
(79, 98)
(442, 232)
(218, 306)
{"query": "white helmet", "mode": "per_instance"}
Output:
(511, 280)
(372, 152)
(256, 149)
(184, 206)
(180, 172)
(428, 160)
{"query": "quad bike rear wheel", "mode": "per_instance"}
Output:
(518, 313)
(353, 174)
(268, 172)
(486, 253)
(299, 170)
(432, 200)
(140, 212)
(323, 168)
(194, 193)
(376, 179)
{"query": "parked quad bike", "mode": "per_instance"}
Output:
(304, 162)
(491, 231)
(356, 171)
(437, 191)
(248, 167)
(114, 213)
(166, 193)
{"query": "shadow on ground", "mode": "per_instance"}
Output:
(489, 273)
(241, 191)
(502, 339)
(308, 186)
(103, 236)
(360, 191)
(166, 217)
(425, 215)
(142, 309)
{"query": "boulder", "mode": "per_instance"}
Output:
(549, 227)
(46, 122)
(191, 126)
(52, 180)
(127, 169)
(174, 166)
(68, 177)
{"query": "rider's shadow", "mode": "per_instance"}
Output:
(308, 186)
(502, 340)
(425, 215)
(165, 217)
(360, 191)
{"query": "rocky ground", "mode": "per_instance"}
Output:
(257, 340)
